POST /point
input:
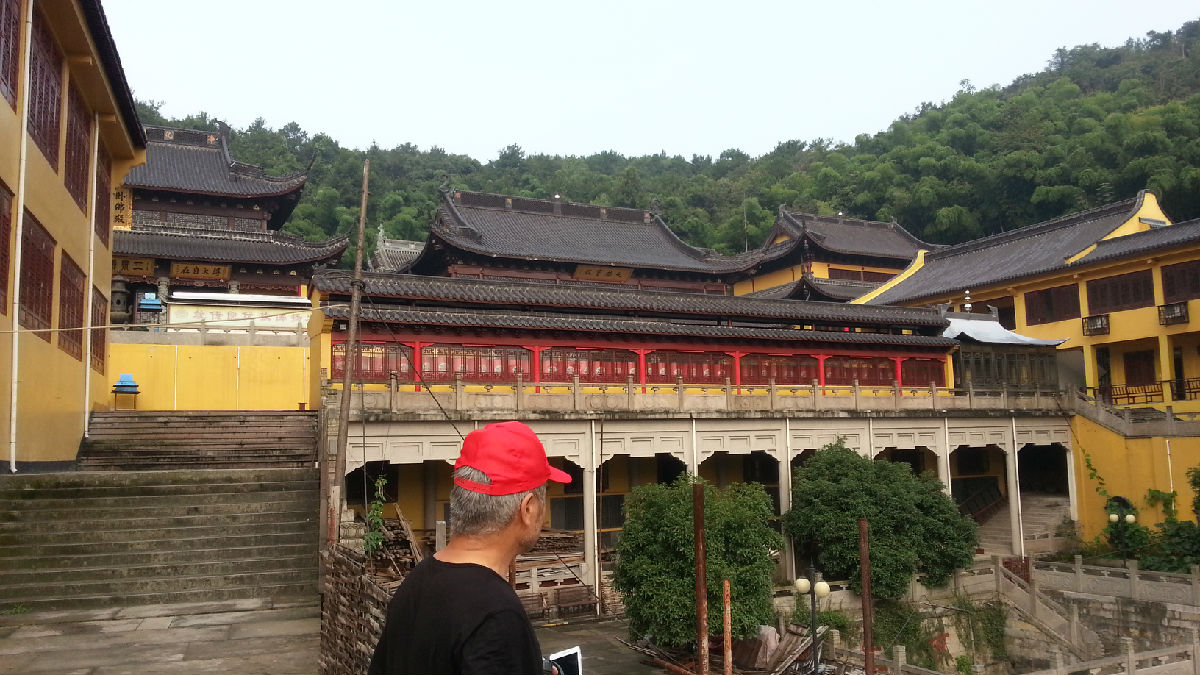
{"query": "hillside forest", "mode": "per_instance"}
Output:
(1096, 125)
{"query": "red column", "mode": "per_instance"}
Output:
(821, 368)
(899, 380)
(537, 366)
(416, 363)
(737, 367)
(642, 366)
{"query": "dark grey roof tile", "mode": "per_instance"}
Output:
(262, 247)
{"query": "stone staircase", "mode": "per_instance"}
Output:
(136, 441)
(101, 539)
(1042, 514)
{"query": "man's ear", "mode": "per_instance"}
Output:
(528, 510)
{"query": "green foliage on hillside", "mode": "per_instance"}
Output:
(1097, 125)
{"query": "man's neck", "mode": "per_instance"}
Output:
(486, 551)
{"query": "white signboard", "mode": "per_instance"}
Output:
(238, 317)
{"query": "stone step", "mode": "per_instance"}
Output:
(179, 477)
(260, 521)
(157, 510)
(19, 593)
(208, 463)
(277, 593)
(83, 505)
(173, 490)
(156, 557)
(135, 541)
(131, 572)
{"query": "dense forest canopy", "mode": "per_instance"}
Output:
(1097, 125)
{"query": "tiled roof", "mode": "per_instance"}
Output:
(1179, 234)
(444, 291)
(1029, 251)
(198, 162)
(110, 59)
(251, 247)
(840, 290)
(850, 235)
(428, 316)
(394, 255)
(538, 229)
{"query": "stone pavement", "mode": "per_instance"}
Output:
(236, 636)
(602, 654)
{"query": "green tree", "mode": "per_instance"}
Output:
(656, 568)
(915, 528)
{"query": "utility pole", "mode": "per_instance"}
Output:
(349, 362)
(701, 579)
(868, 609)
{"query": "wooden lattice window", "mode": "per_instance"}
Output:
(79, 146)
(922, 373)
(37, 276)
(1181, 281)
(757, 369)
(1052, 304)
(10, 37)
(868, 372)
(1121, 292)
(70, 307)
(99, 336)
(45, 89)
(6, 214)
(103, 213)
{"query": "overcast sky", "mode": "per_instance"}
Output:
(578, 77)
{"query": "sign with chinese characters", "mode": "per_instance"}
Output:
(226, 317)
(616, 275)
(188, 270)
(133, 266)
(122, 209)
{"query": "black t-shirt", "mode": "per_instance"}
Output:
(456, 618)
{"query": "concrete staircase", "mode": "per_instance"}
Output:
(136, 441)
(104, 539)
(1042, 515)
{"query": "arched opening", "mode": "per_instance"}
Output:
(565, 501)
(920, 459)
(979, 485)
(615, 480)
(1045, 496)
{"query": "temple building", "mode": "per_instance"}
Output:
(1114, 283)
(829, 258)
(485, 236)
(193, 219)
(68, 132)
(393, 255)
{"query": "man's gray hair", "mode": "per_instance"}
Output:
(474, 513)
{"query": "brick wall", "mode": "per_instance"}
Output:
(352, 613)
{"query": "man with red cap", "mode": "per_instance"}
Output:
(456, 612)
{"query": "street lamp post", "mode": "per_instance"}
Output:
(813, 587)
(1122, 521)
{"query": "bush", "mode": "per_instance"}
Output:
(656, 568)
(915, 528)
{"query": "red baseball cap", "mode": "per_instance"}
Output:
(511, 455)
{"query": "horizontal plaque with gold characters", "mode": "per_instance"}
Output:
(188, 270)
(133, 266)
(616, 275)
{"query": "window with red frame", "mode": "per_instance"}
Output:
(79, 147)
(758, 369)
(70, 307)
(99, 336)
(6, 213)
(591, 365)
(376, 362)
(922, 372)
(869, 372)
(45, 89)
(663, 367)
(10, 35)
(441, 362)
(103, 212)
(37, 276)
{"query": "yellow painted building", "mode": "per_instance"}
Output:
(68, 133)
(1118, 284)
